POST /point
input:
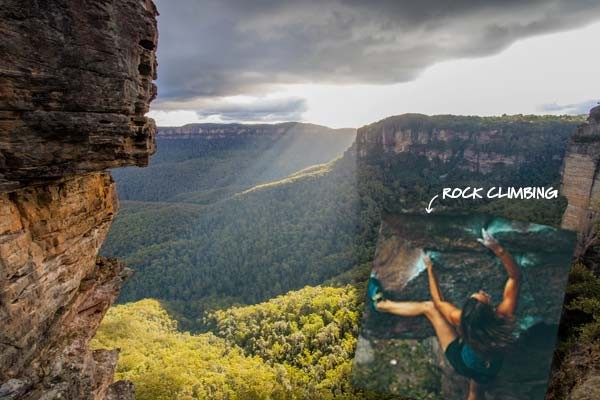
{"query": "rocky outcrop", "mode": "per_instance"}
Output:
(50, 237)
(75, 83)
(581, 180)
(476, 144)
(589, 389)
(464, 266)
(54, 289)
(576, 370)
(121, 390)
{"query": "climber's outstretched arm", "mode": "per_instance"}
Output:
(512, 287)
(448, 310)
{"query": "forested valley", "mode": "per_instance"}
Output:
(218, 242)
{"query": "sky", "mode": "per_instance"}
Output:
(343, 64)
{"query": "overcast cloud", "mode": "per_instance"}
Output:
(211, 49)
(257, 110)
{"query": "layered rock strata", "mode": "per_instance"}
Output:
(75, 83)
(581, 179)
(581, 186)
(475, 144)
(54, 289)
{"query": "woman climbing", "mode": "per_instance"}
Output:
(474, 338)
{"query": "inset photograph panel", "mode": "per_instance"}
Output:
(461, 303)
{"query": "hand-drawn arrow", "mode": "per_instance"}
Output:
(429, 209)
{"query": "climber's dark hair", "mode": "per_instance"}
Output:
(483, 330)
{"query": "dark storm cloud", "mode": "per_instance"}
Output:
(214, 48)
(575, 108)
(265, 110)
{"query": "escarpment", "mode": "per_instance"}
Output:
(75, 83)
(581, 180)
(473, 144)
(576, 370)
(417, 156)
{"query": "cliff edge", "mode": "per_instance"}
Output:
(581, 181)
(469, 143)
(75, 83)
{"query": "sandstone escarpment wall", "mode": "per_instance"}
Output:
(581, 177)
(75, 83)
(474, 144)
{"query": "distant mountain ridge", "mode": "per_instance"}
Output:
(202, 163)
(221, 131)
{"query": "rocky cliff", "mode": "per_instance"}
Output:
(476, 144)
(576, 370)
(75, 83)
(581, 180)
(415, 156)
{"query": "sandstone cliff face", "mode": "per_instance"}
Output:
(474, 144)
(581, 176)
(53, 289)
(581, 186)
(75, 83)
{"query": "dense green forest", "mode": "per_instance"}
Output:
(222, 159)
(311, 227)
(245, 249)
(297, 346)
(206, 256)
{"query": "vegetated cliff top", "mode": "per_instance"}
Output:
(465, 122)
(469, 135)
